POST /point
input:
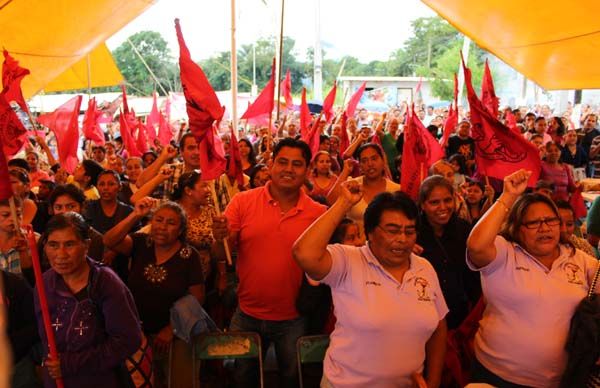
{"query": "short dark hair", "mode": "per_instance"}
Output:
(562, 204)
(539, 119)
(340, 231)
(293, 143)
(69, 190)
(183, 139)
(99, 147)
(530, 114)
(112, 173)
(20, 174)
(255, 170)
(397, 201)
(323, 138)
(67, 220)
(19, 162)
(92, 169)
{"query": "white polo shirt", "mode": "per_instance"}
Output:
(524, 328)
(382, 325)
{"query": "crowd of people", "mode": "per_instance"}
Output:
(133, 249)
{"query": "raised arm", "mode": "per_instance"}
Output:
(42, 143)
(480, 244)
(334, 193)
(148, 188)
(167, 153)
(360, 139)
(117, 238)
(310, 250)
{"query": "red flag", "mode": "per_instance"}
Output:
(344, 140)
(5, 186)
(452, 119)
(419, 152)
(153, 119)
(124, 94)
(212, 156)
(498, 150)
(488, 95)
(314, 140)
(127, 136)
(328, 102)
(264, 102)
(142, 140)
(12, 75)
(355, 99)
(418, 87)
(578, 204)
(305, 118)
(64, 123)
(165, 130)
(234, 169)
(202, 105)
(286, 90)
(11, 128)
(91, 130)
(511, 123)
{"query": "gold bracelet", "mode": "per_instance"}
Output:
(506, 208)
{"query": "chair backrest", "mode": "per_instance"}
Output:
(229, 345)
(312, 348)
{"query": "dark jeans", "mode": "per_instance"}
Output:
(283, 334)
(480, 374)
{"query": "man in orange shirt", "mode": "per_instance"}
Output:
(263, 224)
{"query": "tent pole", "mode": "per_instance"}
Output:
(234, 82)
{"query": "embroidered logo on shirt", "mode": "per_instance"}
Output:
(372, 283)
(421, 285)
(519, 268)
(573, 271)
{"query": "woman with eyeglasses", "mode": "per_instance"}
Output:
(388, 303)
(533, 279)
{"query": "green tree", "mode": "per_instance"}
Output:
(154, 50)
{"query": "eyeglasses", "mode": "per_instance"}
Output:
(408, 231)
(535, 224)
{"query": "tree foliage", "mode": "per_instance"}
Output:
(432, 51)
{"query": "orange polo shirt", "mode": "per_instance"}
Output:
(269, 277)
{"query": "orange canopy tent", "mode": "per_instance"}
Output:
(48, 37)
(556, 44)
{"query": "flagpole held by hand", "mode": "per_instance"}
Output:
(215, 199)
(37, 270)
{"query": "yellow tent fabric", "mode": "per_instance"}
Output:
(103, 71)
(47, 37)
(553, 43)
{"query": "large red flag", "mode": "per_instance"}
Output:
(12, 75)
(5, 186)
(127, 136)
(286, 90)
(345, 139)
(498, 150)
(165, 129)
(305, 118)
(64, 123)
(328, 103)
(419, 152)
(202, 105)
(264, 102)
(488, 94)
(11, 128)
(141, 141)
(353, 103)
(234, 168)
(91, 128)
(153, 119)
(212, 156)
(452, 119)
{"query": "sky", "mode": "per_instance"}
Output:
(369, 30)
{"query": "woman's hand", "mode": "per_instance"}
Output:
(516, 183)
(144, 206)
(163, 340)
(351, 191)
(348, 167)
(165, 173)
(168, 153)
(53, 367)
